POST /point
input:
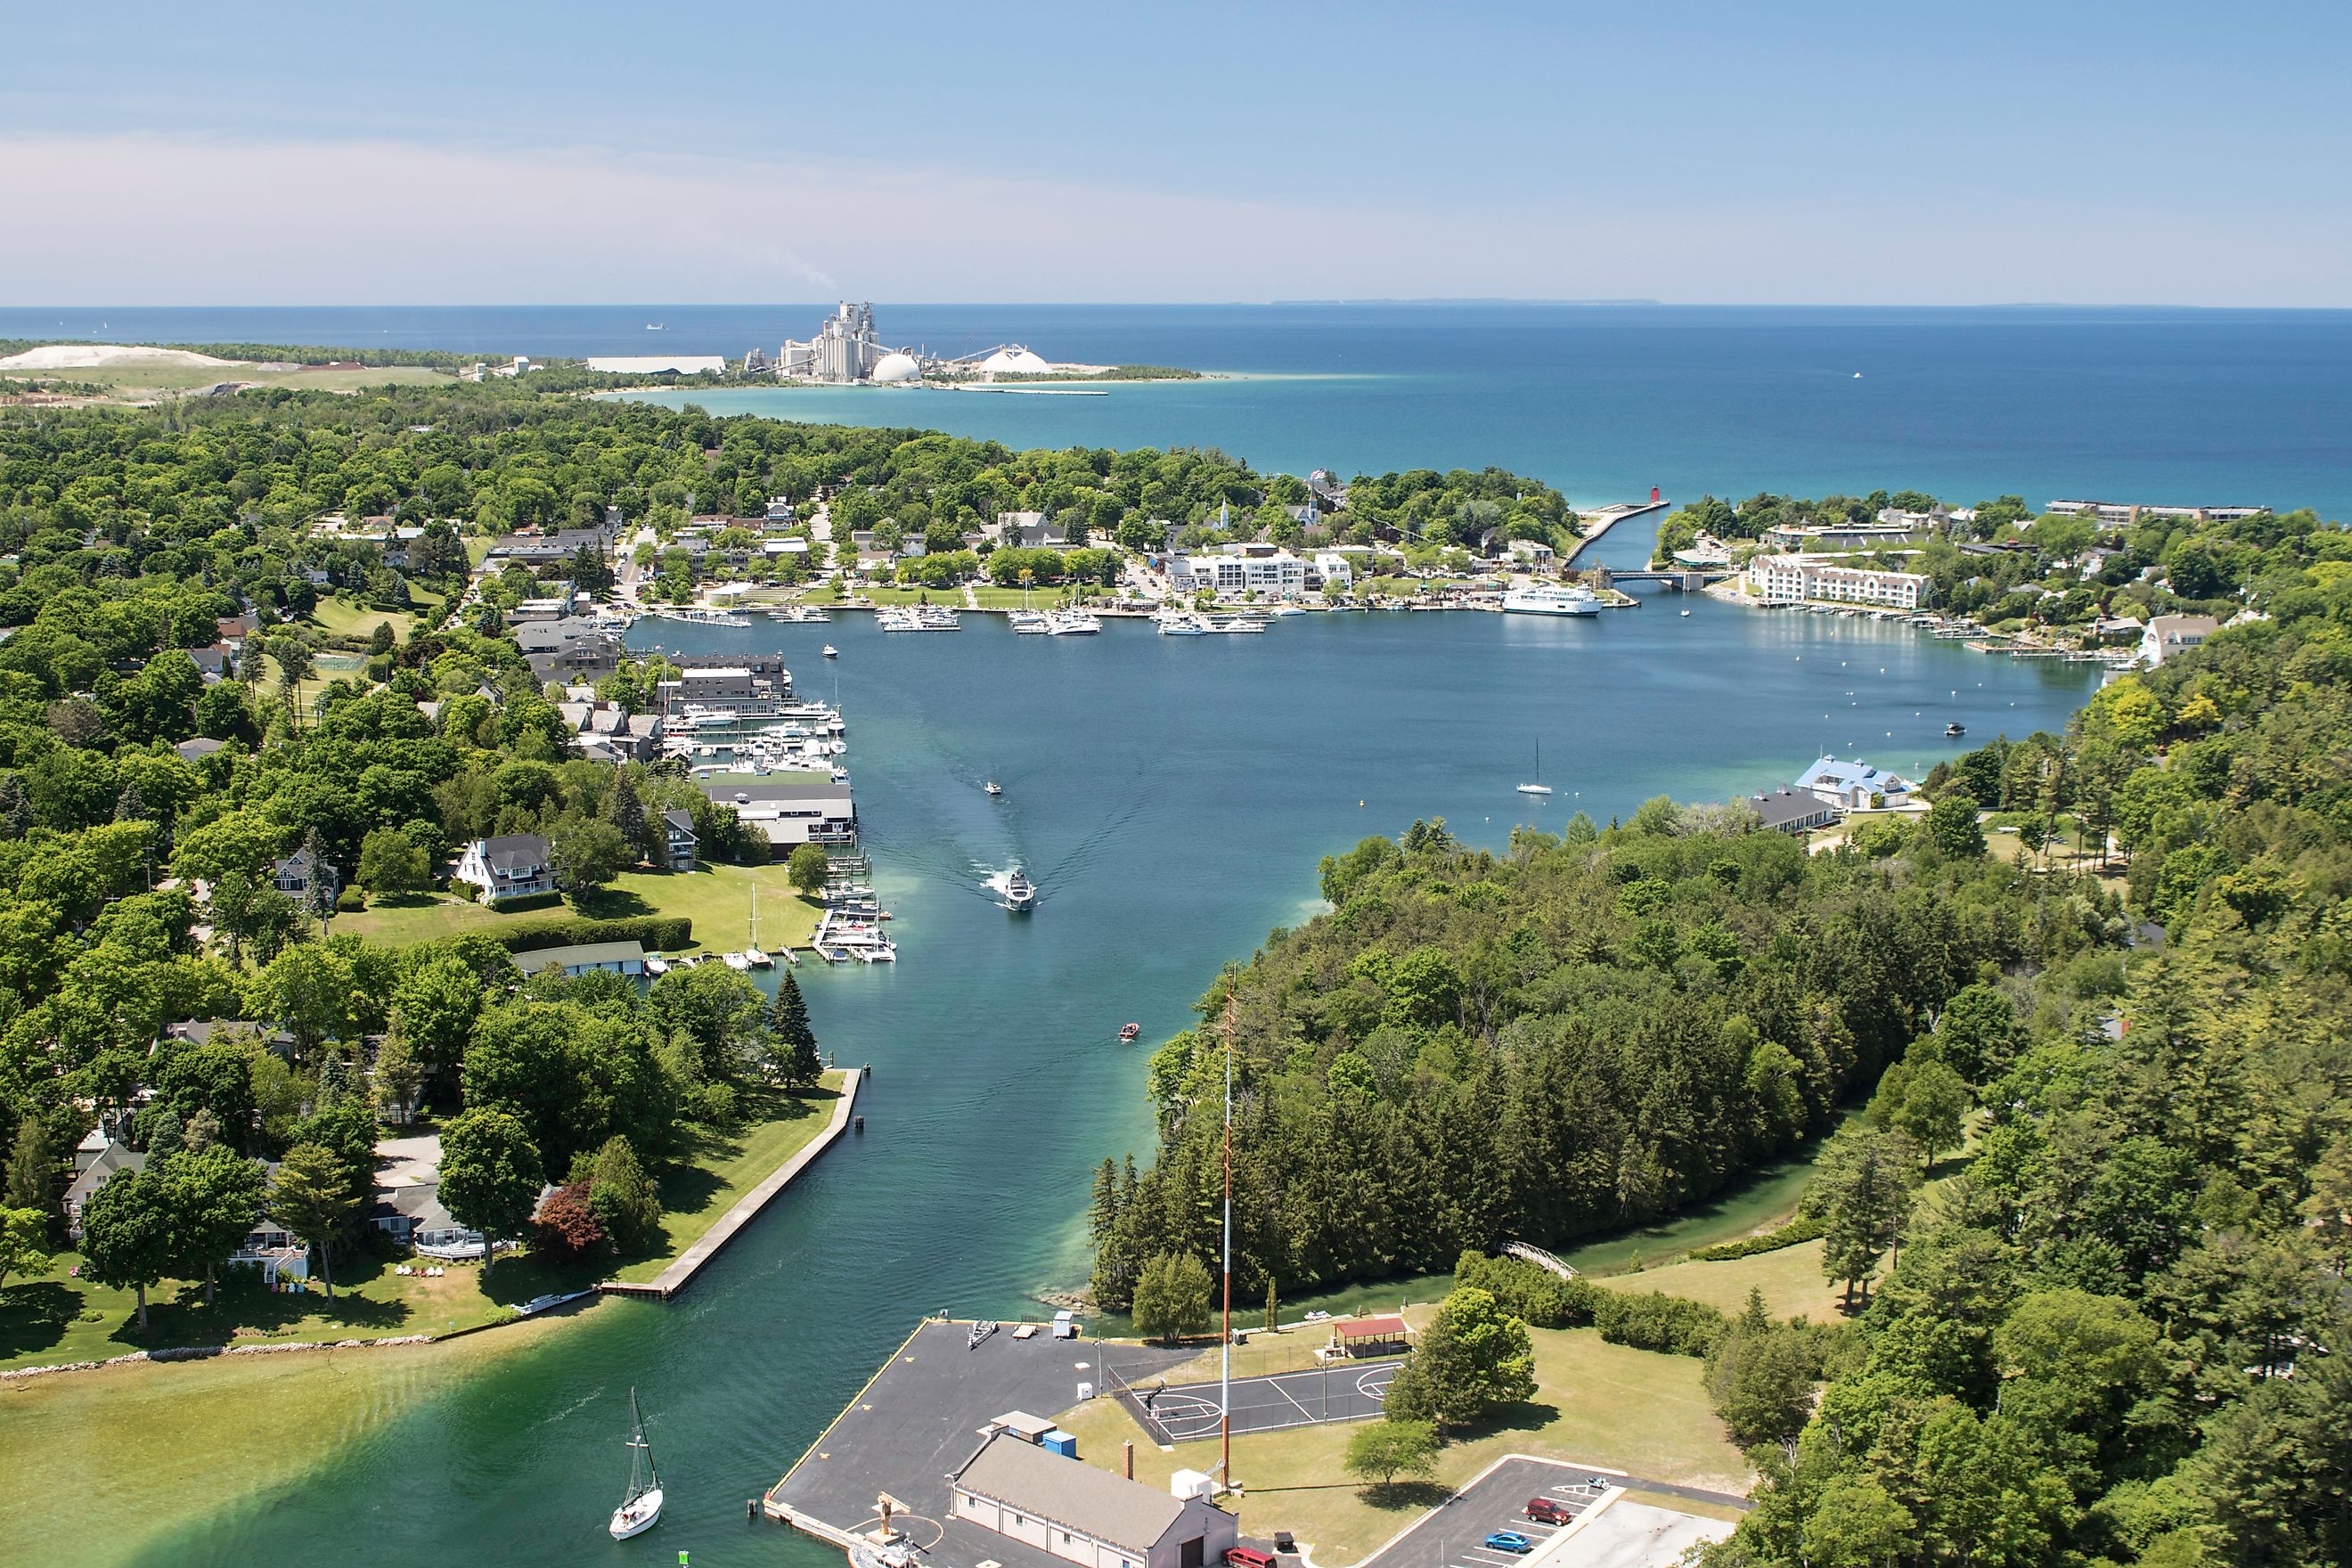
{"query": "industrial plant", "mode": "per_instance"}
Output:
(847, 350)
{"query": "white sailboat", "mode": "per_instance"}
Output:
(757, 957)
(643, 1503)
(1539, 787)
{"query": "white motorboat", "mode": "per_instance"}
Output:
(994, 787)
(1020, 892)
(830, 651)
(1289, 610)
(1072, 623)
(1686, 615)
(1181, 624)
(641, 1506)
(1546, 599)
(657, 965)
(1029, 623)
(735, 959)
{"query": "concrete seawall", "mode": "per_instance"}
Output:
(682, 1273)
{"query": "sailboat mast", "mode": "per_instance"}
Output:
(1225, 1347)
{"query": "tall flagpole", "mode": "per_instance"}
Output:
(1225, 1349)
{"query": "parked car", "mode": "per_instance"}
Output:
(1509, 1540)
(1247, 1557)
(1550, 1511)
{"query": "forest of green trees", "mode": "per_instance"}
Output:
(2117, 1334)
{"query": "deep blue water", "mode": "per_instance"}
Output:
(1604, 402)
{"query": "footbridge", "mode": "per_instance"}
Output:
(1527, 1252)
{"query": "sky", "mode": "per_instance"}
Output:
(1801, 152)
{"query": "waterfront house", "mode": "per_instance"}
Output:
(682, 843)
(2170, 634)
(510, 866)
(792, 809)
(611, 957)
(1072, 1510)
(1852, 786)
(1796, 812)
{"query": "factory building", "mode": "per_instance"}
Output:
(846, 349)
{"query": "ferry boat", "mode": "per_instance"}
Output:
(1548, 600)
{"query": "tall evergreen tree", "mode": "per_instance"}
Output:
(626, 811)
(788, 1021)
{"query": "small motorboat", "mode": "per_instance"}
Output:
(1956, 729)
(1019, 893)
(830, 651)
(641, 1504)
(1127, 1033)
(1686, 615)
(994, 787)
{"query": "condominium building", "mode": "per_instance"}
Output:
(1813, 579)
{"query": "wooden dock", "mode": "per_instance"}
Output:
(682, 1273)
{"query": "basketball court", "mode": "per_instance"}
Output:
(1187, 1411)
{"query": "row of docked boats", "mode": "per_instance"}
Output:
(1056, 623)
(1193, 624)
(701, 617)
(918, 619)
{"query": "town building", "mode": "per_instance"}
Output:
(1238, 570)
(1851, 535)
(789, 809)
(2123, 514)
(1792, 811)
(1811, 579)
(1334, 569)
(1083, 1515)
(510, 866)
(2170, 634)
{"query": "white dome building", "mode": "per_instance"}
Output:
(1015, 360)
(896, 370)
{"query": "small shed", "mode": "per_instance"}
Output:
(1382, 1336)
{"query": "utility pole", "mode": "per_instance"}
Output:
(1225, 1347)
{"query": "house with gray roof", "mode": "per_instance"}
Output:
(1797, 812)
(1084, 1515)
(510, 866)
(612, 957)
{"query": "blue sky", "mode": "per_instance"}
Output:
(1698, 152)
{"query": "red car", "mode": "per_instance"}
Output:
(1247, 1557)
(1545, 1510)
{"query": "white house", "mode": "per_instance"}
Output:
(2168, 634)
(1333, 568)
(510, 866)
(1851, 786)
(1084, 1515)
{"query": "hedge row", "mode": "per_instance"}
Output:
(661, 934)
(1653, 1322)
(1804, 1228)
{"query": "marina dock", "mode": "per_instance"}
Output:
(682, 1273)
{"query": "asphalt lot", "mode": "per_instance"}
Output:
(1187, 1411)
(1450, 1537)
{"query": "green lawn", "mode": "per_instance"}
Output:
(1596, 1403)
(56, 1317)
(344, 617)
(717, 898)
(1790, 1279)
(723, 1169)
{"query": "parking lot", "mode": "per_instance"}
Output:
(1454, 1536)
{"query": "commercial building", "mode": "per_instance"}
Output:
(1852, 786)
(1238, 571)
(1792, 812)
(1083, 1515)
(2168, 634)
(846, 349)
(1851, 535)
(1812, 579)
(2123, 514)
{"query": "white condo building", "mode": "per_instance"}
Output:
(1280, 573)
(1812, 579)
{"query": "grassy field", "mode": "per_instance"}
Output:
(1595, 1403)
(57, 1317)
(1790, 1279)
(717, 899)
(343, 617)
(150, 1450)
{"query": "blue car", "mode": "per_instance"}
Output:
(1509, 1540)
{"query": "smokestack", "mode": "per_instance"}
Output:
(1126, 1457)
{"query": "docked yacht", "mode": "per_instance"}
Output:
(1072, 623)
(1031, 623)
(1547, 599)
(1181, 623)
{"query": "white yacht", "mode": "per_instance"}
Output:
(1030, 623)
(1549, 599)
(1072, 623)
(1181, 623)
(1020, 892)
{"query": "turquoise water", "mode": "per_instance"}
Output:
(2129, 404)
(1171, 796)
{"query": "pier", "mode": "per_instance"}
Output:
(1607, 518)
(682, 1273)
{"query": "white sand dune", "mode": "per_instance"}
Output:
(86, 356)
